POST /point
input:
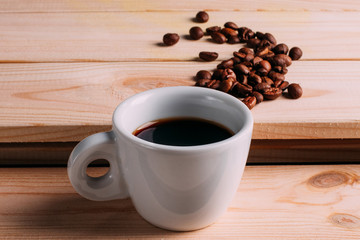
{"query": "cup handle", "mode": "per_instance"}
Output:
(107, 187)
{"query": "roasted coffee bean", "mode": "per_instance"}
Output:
(262, 51)
(228, 32)
(239, 55)
(228, 73)
(253, 43)
(270, 37)
(212, 29)
(241, 69)
(267, 80)
(242, 78)
(276, 76)
(249, 101)
(203, 82)
(254, 79)
(272, 93)
(241, 90)
(262, 87)
(256, 60)
(259, 97)
(217, 74)
(226, 64)
(269, 55)
(170, 39)
(264, 66)
(218, 37)
(279, 69)
(196, 33)
(248, 64)
(295, 91)
(260, 35)
(202, 17)
(231, 25)
(233, 39)
(266, 43)
(203, 74)
(249, 57)
(236, 60)
(215, 84)
(226, 85)
(208, 56)
(281, 60)
(246, 50)
(245, 34)
(284, 85)
(295, 53)
(281, 48)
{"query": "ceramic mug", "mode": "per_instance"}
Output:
(173, 187)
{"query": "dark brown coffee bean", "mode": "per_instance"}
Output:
(249, 101)
(239, 55)
(262, 51)
(212, 29)
(228, 73)
(272, 93)
(236, 60)
(196, 33)
(281, 48)
(284, 85)
(276, 76)
(202, 82)
(249, 57)
(267, 80)
(241, 90)
(281, 60)
(228, 32)
(202, 17)
(269, 55)
(295, 53)
(254, 79)
(284, 70)
(279, 69)
(226, 64)
(226, 85)
(265, 65)
(256, 60)
(233, 39)
(246, 50)
(245, 34)
(231, 25)
(295, 91)
(270, 38)
(242, 78)
(217, 74)
(208, 56)
(218, 37)
(260, 35)
(259, 97)
(170, 39)
(203, 74)
(262, 87)
(216, 84)
(241, 69)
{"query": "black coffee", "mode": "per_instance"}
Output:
(183, 131)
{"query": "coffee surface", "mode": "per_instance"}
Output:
(183, 131)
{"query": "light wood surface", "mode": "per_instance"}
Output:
(272, 202)
(52, 102)
(135, 36)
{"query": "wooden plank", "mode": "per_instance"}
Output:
(295, 151)
(55, 102)
(136, 36)
(272, 202)
(171, 5)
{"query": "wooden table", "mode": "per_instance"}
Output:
(65, 65)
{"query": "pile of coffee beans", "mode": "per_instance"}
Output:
(255, 72)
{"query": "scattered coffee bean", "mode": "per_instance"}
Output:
(228, 32)
(218, 37)
(281, 48)
(233, 39)
(241, 90)
(249, 101)
(226, 64)
(217, 74)
(202, 17)
(270, 38)
(281, 60)
(272, 93)
(228, 73)
(231, 25)
(226, 85)
(284, 85)
(202, 82)
(196, 33)
(295, 53)
(262, 87)
(212, 29)
(170, 39)
(208, 56)
(259, 97)
(295, 91)
(203, 74)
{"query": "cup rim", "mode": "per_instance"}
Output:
(248, 122)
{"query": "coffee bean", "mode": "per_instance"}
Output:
(260, 35)
(212, 29)
(281, 60)
(272, 93)
(233, 39)
(196, 33)
(254, 79)
(218, 37)
(216, 84)
(217, 74)
(265, 65)
(295, 53)
(228, 32)
(259, 97)
(262, 87)
(253, 42)
(284, 85)
(202, 17)
(262, 51)
(245, 34)
(202, 82)
(249, 57)
(170, 39)
(203, 74)
(242, 78)
(228, 73)
(231, 25)
(236, 60)
(241, 90)
(270, 38)
(208, 56)
(226, 64)
(239, 55)
(256, 60)
(267, 80)
(249, 101)
(276, 76)
(295, 91)
(246, 50)
(226, 85)
(241, 69)
(281, 48)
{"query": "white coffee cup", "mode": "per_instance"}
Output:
(173, 187)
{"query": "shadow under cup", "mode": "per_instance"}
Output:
(182, 188)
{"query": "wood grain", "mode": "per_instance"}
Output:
(137, 36)
(68, 101)
(174, 5)
(272, 202)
